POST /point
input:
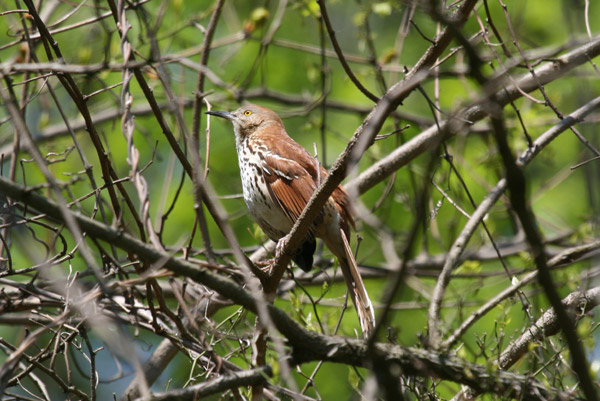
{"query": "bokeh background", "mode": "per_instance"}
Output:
(279, 54)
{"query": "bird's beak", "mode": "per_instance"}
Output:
(223, 114)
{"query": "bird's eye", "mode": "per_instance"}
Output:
(247, 112)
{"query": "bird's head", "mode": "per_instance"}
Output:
(249, 118)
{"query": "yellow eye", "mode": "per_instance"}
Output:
(247, 112)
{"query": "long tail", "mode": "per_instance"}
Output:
(358, 292)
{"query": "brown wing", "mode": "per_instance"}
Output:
(292, 175)
(287, 169)
(290, 185)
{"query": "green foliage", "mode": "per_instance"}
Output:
(321, 107)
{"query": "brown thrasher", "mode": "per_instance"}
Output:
(278, 177)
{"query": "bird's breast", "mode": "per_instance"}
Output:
(267, 214)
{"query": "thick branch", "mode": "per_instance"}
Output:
(424, 363)
(453, 257)
(548, 325)
(432, 136)
(218, 385)
(364, 137)
(517, 187)
(306, 346)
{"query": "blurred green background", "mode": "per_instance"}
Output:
(291, 76)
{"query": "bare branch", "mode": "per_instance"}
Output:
(432, 136)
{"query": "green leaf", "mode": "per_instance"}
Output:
(469, 266)
(383, 9)
(259, 15)
(359, 18)
(314, 9)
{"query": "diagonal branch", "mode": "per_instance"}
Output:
(363, 138)
(307, 346)
(432, 136)
(340, 54)
(459, 245)
(218, 385)
(548, 325)
(517, 187)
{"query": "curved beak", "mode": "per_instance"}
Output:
(223, 114)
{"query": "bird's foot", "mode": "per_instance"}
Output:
(280, 244)
(264, 265)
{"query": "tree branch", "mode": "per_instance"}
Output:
(363, 138)
(432, 136)
(306, 346)
(548, 325)
(219, 385)
(459, 245)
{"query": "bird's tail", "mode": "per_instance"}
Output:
(356, 287)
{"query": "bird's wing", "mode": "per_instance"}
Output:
(295, 176)
(290, 185)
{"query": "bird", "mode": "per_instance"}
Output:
(279, 177)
